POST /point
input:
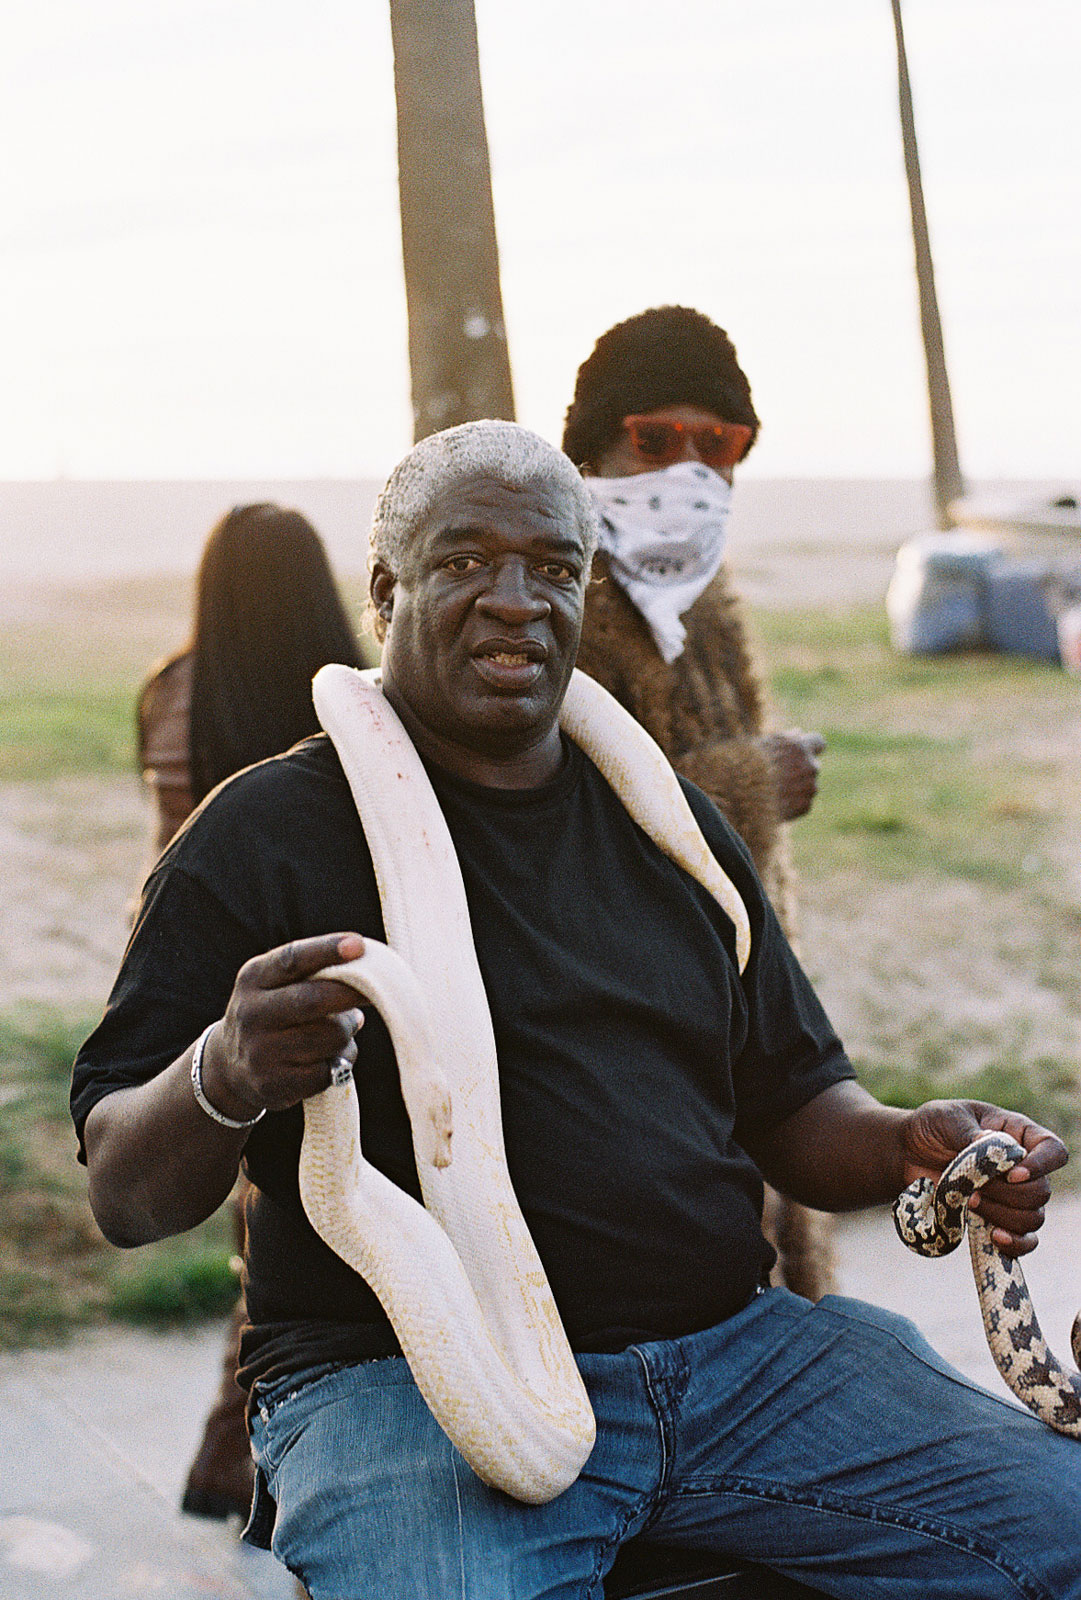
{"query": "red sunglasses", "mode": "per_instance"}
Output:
(719, 445)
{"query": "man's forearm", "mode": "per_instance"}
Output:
(842, 1150)
(158, 1164)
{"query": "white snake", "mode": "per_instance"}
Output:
(931, 1218)
(459, 1277)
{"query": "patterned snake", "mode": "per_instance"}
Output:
(931, 1218)
(459, 1277)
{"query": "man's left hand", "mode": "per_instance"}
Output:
(1013, 1207)
(794, 757)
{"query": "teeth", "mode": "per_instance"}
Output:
(507, 660)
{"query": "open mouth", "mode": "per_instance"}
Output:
(510, 665)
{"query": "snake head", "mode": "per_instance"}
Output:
(932, 1216)
(990, 1155)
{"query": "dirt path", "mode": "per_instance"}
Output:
(980, 970)
(72, 849)
(70, 854)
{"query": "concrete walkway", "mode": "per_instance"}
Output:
(95, 1438)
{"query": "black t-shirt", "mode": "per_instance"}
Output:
(633, 1058)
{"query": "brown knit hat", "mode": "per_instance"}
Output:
(665, 356)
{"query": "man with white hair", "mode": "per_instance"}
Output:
(646, 1087)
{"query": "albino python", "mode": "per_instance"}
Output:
(459, 1277)
(931, 1218)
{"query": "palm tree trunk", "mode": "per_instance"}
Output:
(948, 483)
(457, 341)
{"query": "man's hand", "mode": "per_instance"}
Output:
(795, 765)
(844, 1149)
(158, 1165)
(282, 1028)
(1012, 1207)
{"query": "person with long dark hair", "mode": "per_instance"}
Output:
(268, 615)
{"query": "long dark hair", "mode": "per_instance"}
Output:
(268, 615)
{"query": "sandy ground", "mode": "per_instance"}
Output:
(892, 963)
(72, 850)
(70, 854)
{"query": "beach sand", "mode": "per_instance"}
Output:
(953, 959)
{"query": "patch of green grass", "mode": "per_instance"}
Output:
(12, 1160)
(57, 1273)
(877, 821)
(1045, 1089)
(51, 734)
(31, 1309)
(182, 1285)
(905, 791)
(69, 692)
(37, 1048)
(70, 675)
(51, 1255)
(898, 806)
(839, 665)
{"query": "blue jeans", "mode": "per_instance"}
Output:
(829, 1442)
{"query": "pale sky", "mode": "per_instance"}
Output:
(201, 251)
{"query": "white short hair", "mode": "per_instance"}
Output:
(500, 450)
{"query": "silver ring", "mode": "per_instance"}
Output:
(341, 1071)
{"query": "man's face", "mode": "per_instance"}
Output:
(485, 617)
(620, 459)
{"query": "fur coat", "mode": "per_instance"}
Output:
(706, 710)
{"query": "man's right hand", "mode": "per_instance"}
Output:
(282, 1028)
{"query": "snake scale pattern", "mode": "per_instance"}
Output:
(931, 1219)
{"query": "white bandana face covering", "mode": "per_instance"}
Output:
(664, 535)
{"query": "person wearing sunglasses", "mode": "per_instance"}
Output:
(661, 417)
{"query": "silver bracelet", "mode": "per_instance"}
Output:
(197, 1085)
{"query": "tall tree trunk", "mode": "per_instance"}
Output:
(948, 483)
(457, 340)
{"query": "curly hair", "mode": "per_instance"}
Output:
(663, 356)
